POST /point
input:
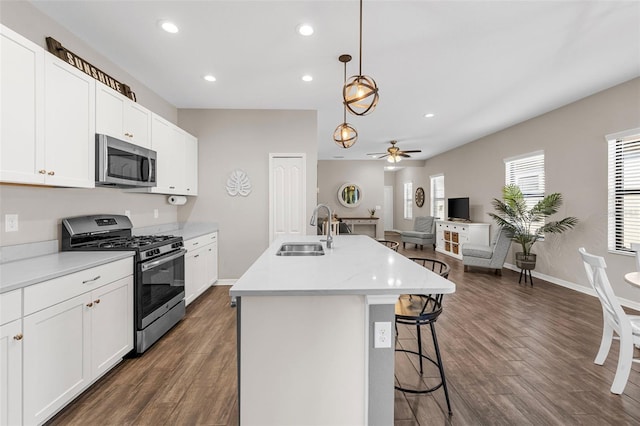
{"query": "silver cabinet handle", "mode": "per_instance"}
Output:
(91, 280)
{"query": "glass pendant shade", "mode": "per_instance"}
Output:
(345, 135)
(360, 95)
(394, 159)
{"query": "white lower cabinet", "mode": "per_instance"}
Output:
(71, 343)
(56, 357)
(11, 373)
(201, 265)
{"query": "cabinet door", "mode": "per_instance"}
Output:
(211, 257)
(56, 357)
(111, 324)
(137, 124)
(168, 141)
(109, 112)
(195, 274)
(191, 164)
(22, 112)
(11, 373)
(69, 125)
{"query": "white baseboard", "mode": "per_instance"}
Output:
(573, 286)
(227, 281)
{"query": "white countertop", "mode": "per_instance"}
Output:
(22, 273)
(356, 264)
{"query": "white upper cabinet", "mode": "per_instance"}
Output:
(22, 112)
(69, 125)
(48, 117)
(191, 164)
(177, 159)
(120, 117)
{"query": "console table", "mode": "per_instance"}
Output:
(451, 235)
(360, 222)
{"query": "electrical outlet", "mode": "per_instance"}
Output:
(155, 213)
(127, 213)
(382, 335)
(11, 223)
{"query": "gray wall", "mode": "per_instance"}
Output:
(232, 139)
(368, 175)
(572, 138)
(39, 208)
(417, 176)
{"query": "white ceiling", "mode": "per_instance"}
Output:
(479, 66)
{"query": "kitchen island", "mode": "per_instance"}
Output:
(306, 352)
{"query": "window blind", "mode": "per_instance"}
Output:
(437, 196)
(624, 192)
(408, 200)
(527, 172)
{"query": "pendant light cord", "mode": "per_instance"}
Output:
(344, 109)
(360, 37)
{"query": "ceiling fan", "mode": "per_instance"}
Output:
(394, 153)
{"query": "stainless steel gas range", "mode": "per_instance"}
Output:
(158, 275)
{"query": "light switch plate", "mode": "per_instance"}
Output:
(382, 335)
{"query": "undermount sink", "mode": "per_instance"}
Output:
(300, 249)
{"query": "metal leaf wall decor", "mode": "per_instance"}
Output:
(238, 183)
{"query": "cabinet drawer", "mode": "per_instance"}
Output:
(48, 293)
(10, 306)
(201, 241)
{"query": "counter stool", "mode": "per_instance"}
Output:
(393, 245)
(419, 310)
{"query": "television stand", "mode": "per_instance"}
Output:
(451, 235)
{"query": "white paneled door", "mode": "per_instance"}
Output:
(287, 195)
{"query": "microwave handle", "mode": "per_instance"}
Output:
(150, 171)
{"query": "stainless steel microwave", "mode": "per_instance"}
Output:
(123, 164)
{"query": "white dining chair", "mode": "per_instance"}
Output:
(636, 247)
(627, 327)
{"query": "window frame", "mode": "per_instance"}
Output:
(526, 166)
(408, 200)
(433, 198)
(620, 174)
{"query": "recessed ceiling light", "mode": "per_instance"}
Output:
(429, 115)
(169, 27)
(307, 78)
(304, 29)
(209, 77)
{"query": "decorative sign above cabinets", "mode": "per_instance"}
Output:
(71, 58)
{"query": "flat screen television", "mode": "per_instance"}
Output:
(458, 208)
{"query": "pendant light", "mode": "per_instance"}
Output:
(360, 94)
(345, 135)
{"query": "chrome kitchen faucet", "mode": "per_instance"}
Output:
(314, 222)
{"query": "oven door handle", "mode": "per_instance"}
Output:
(168, 258)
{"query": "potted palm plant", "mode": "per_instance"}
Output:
(521, 221)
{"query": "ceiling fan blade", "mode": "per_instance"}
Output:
(402, 154)
(384, 156)
(412, 151)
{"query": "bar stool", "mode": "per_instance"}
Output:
(393, 245)
(419, 310)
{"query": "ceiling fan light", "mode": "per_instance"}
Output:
(360, 95)
(394, 159)
(345, 135)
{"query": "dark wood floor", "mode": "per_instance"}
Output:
(513, 354)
